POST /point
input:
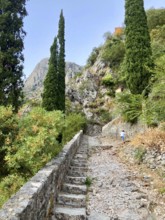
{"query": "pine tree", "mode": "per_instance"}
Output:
(61, 63)
(138, 60)
(50, 96)
(11, 57)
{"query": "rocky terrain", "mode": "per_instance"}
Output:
(120, 190)
(84, 88)
(34, 83)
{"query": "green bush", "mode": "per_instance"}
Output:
(8, 132)
(36, 142)
(78, 75)
(88, 181)
(155, 104)
(30, 142)
(74, 122)
(139, 154)
(104, 115)
(113, 52)
(130, 106)
(93, 56)
(108, 80)
(9, 185)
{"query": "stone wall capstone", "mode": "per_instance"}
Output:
(36, 199)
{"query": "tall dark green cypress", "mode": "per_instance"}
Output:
(11, 57)
(138, 58)
(50, 93)
(61, 62)
(54, 84)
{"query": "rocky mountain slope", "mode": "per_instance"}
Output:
(34, 83)
(84, 88)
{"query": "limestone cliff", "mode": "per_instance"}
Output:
(34, 83)
(84, 88)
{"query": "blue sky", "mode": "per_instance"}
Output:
(86, 21)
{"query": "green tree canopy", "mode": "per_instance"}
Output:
(61, 63)
(11, 57)
(155, 18)
(50, 93)
(138, 59)
(113, 51)
(54, 84)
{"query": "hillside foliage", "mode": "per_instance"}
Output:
(27, 143)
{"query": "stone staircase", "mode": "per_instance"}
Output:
(71, 201)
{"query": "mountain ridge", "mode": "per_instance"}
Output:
(34, 83)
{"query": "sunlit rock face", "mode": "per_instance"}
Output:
(34, 83)
(84, 88)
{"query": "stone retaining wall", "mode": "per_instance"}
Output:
(114, 127)
(36, 199)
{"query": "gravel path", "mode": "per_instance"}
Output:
(117, 191)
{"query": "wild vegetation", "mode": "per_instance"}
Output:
(29, 140)
(148, 105)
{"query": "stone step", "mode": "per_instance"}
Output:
(76, 164)
(69, 213)
(78, 168)
(80, 156)
(77, 173)
(74, 189)
(79, 162)
(72, 200)
(75, 180)
(82, 151)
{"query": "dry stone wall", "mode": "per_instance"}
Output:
(36, 199)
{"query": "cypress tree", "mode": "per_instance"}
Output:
(50, 93)
(11, 57)
(61, 63)
(138, 59)
(54, 84)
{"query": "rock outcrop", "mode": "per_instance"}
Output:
(34, 83)
(84, 88)
(87, 90)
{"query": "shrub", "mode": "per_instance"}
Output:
(139, 154)
(74, 122)
(162, 190)
(36, 142)
(78, 75)
(104, 115)
(153, 111)
(9, 185)
(154, 138)
(130, 106)
(108, 80)
(93, 56)
(30, 142)
(88, 181)
(113, 52)
(8, 131)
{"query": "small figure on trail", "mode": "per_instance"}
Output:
(122, 135)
